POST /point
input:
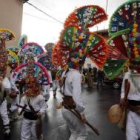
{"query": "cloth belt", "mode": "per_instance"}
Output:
(133, 102)
(134, 106)
(68, 102)
(30, 115)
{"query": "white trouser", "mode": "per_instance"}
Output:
(46, 91)
(3, 113)
(55, 84)
(133, 126)
(77, 128)
(28, 129)
(14, 102)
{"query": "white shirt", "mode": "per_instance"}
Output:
(133, 94)
(73, 88)
(50, 76)
(38, 103)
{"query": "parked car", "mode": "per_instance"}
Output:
(115, 83)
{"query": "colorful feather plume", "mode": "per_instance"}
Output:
(6, 35)
(29, 49)
(125, 17)
(124, 43)
(78, 44)
(45, 60)
(86, 16)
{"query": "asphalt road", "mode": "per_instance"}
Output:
(97, 103)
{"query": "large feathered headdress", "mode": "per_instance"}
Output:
(124, 44)
(30, 72)
(5, 35)
(77, 42)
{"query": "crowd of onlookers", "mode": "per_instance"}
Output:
(93, 75)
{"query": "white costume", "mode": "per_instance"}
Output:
(14, 101)
(46, 88)
(72, 88)
(29, 120)
(3, 105)
(133, 119)
(55, 85)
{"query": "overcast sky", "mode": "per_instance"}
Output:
(42, 29)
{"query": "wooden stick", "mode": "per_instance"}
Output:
(23, 108)
(87, 123)
(122, 122)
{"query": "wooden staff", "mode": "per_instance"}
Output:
(77, 114)
(122, 121)
(23, 108)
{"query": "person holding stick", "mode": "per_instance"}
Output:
(131, 101)
(33, 107)
(75, 44)
(32, 104)
(73, 100)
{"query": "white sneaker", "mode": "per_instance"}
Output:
(7, 131)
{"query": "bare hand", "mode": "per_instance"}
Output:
(83, 118)
(123, 102)
(39, 114)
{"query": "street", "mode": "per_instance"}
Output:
(97, 103)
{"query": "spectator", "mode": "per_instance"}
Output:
(100, 78)
(89, 78)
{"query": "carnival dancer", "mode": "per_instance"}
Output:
(124, 52)
(32, 106)
(75, 44)
(14, 100)
(46, 88)
(132, 101)
(72, 92)
(5, 86)
(55, 82)
(45, 60)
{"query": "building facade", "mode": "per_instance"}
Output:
(11, 17)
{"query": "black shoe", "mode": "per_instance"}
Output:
(54, 95)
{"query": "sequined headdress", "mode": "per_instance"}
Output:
(5, 35)
(77, 42)
(124, 42)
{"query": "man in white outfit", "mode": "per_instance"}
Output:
(5, 87)
(45, 89)
(14, 99)
(28, 129)
(133, 99)
(72, 89)
(32, 106)
(55, 83)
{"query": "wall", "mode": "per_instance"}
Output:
(11, 17)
